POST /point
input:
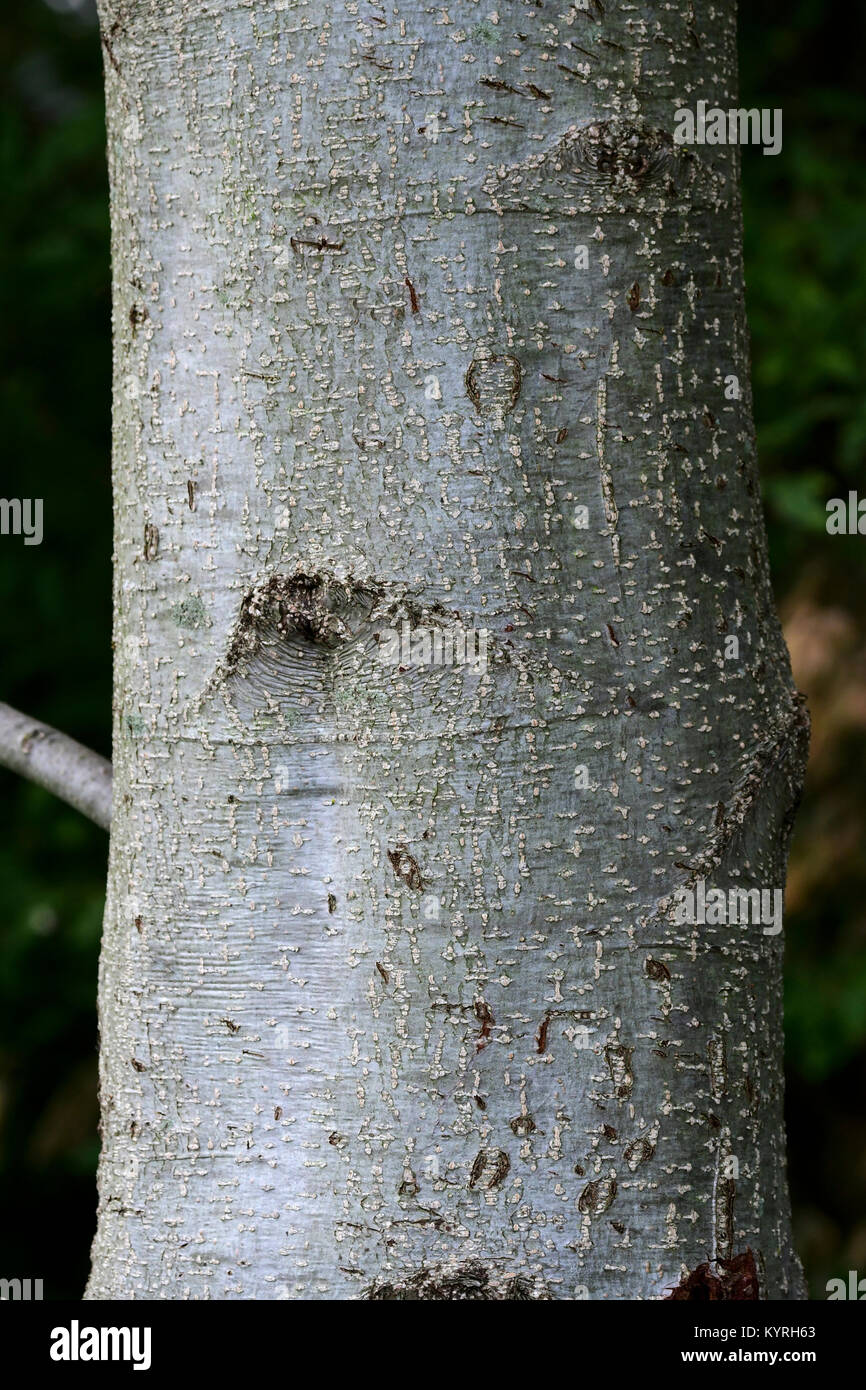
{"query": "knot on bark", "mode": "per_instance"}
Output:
(316, 609)
(493, 384)
(624, 154)
(609, 159)
(597, 1197)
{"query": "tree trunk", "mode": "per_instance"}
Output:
(393, 1001)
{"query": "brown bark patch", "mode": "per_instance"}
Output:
(734, 1279)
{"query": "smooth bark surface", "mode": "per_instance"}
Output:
(391, 1005)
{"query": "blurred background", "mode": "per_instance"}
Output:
(805, 216)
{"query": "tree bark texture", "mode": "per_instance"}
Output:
(391, 1004)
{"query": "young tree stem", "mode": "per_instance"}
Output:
(56, 762)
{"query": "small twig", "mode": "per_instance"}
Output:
(57, 763)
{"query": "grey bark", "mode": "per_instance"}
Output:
(390, 1005)
(56, 762)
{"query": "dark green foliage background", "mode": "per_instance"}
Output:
(805, 215)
